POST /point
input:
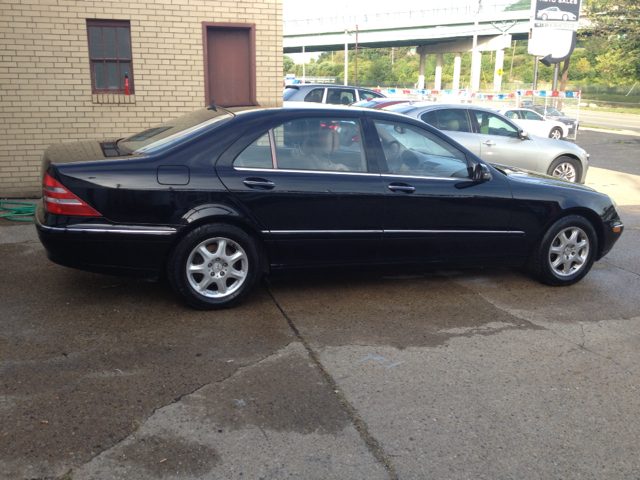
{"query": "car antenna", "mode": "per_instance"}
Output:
(215, 109)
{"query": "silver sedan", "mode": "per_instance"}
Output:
(496, 139)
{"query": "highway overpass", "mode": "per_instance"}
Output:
(434, 30)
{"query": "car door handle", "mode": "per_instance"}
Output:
(259, 182)
(489, 143)
(401, 187)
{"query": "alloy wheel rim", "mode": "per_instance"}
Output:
(217, 267)
(565, 171)
(569, 251)
(556, 134)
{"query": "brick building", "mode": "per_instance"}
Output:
(64, 66)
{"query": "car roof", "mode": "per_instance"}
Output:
(427, 106)
(299, 86)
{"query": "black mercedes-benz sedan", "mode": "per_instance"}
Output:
(218, 197)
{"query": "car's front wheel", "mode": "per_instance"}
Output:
(565, 253)
(566, 168)
(556, 132)
(215, 266)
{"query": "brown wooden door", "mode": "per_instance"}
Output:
(230, 68)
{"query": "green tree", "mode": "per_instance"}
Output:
(288, 65)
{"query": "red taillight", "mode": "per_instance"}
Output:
(355, 138)
(60, 201)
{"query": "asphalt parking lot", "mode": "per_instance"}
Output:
(482, 374)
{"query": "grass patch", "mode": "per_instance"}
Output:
(601, 128)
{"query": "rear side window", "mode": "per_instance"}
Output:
(454, 120)
(430, 118)
(513, 114)
(256, 155)
(320, 144)
(341, 96)
(315, 95)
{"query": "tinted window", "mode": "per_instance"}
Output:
(430, 118)
(320, 144)
(513, 114)
(315, 95)
(409, 150)
(256, 155)
(454, 120)
(491, 124)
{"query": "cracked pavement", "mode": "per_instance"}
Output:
(479, 373)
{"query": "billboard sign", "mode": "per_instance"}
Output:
(554, 24)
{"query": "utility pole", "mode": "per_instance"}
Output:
(355, 77)
(346, 57)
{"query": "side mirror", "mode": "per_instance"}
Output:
(523, 135)
(481, 173)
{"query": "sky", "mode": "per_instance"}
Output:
(303, 9)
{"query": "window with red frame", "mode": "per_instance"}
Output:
(110, 55)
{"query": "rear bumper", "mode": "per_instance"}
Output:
(134, 251)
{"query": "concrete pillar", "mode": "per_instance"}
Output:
(423, 56)
(497, 79)
(457, 63)
(476, 70)
(438, 79)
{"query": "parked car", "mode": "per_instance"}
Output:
(554, 13)
(552, 113)
(536, 124)
(214, 199)
(497, 139)
(380, 102)
(333, 94)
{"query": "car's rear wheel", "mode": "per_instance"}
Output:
(566, 252)
(556, 132)
(566, 168)
(215, 266)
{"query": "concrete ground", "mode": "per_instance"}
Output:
(482, 374)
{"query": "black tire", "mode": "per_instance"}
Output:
(566, 168)
(556, 132)
(566, 252)
(225, 265)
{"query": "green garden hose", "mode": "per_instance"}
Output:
(18, 211)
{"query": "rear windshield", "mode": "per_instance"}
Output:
(288, 93)
(172, 131)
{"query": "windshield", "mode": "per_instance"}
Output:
(288, 93)
(172, 131)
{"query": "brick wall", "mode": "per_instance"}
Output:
(45, 79)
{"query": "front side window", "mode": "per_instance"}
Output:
(364, 95)
(110, 55)
(528, 115)
(491, 124)
(409, 150)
